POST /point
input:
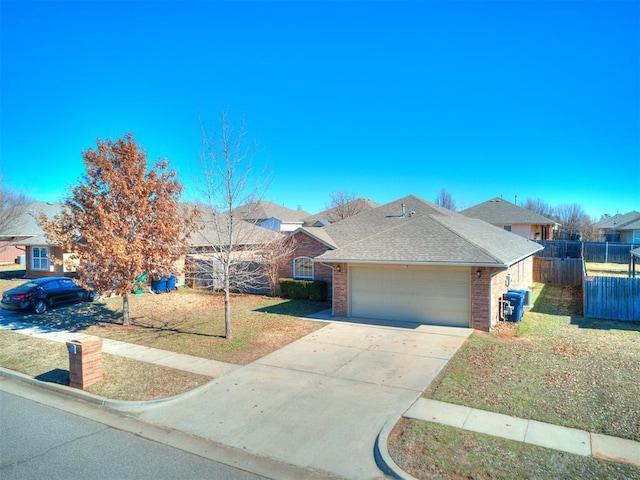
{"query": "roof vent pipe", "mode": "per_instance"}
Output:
(403, 213)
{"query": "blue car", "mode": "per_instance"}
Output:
(43, 293)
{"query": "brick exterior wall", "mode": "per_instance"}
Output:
(341, 290)
(521, 279)
(9, 253)
(58, 270)
(480, 294)
(307, 246)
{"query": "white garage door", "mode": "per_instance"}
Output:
(432, 295)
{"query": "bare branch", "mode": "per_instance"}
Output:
(445, 200)
(230, 250)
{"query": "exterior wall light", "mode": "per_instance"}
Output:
(339, 268)
(479, 273)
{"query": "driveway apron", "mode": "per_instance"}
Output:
(320, 401)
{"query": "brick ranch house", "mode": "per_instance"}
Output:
(410, 260)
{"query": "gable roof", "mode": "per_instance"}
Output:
(498, 211)
(628, 221)
(26, 230)
(263, 210)
(335, 214)
(426, 234)
(212, 231)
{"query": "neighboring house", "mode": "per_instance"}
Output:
(621, 228)
(513, 218)
(272, 216)
(28, 235)
(339, 212)
(212, 236)
(411, 260)
(40, 254)
(10, 253)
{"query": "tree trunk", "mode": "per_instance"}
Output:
(227, 315)
(125, 309)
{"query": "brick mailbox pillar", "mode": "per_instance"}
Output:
(85, 361)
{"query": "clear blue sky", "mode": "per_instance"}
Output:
(536, 99)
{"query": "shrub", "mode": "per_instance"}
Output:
(315, 290)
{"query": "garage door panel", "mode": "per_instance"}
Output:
(427, 295)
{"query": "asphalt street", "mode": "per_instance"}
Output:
(39, 441)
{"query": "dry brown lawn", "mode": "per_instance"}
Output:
(185, 321)
(607, 269)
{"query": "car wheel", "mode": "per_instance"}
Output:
(40, 307)
(93, 296)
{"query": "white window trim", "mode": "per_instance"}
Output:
(40, 259)
(300, 277)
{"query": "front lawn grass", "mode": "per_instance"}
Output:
(191, 322)
(432, 451)
(556, 367)
(186, 321)
(123, 378)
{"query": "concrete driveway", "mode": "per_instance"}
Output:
(321, 401)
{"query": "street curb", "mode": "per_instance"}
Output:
(127, 406)
(74, 403)
(382, 455)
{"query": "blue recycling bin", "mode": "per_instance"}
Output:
(159, 285)
(171, 283)
(516, 300)
(527, 296)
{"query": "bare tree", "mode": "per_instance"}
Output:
(445, 200)
(590, 232)
(226, 183)
(539, 206)
(121, 220)
(274, 255)
(13, 205)
(572, 218)
(344, 204)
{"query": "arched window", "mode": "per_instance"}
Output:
(303, 268)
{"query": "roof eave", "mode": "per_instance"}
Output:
(411, 262)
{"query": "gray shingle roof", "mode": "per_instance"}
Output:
(26, 231)
(213, 231)
(332, 215)
(27, 224)
(429, 235)
(498, 211)
(263, 210)
(627, 221)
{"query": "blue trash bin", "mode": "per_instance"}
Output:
(516, 300)
(527, 296)
(159, 286)
(171, 283)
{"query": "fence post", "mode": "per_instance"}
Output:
(606, 252)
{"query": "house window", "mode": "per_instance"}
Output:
(303, 268)
(636, 236)
(507, 228)
(40, 258)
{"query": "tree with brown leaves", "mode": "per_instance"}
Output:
(122, 220)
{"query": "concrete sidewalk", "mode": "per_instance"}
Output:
(571, 440)
(179, 361)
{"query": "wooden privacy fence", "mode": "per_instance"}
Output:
(611, 298)
(559, 271)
